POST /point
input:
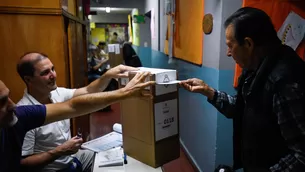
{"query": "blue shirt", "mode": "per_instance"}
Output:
(29, 117)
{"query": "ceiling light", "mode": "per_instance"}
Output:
(107, 9)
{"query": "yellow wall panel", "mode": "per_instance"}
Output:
(97, 35)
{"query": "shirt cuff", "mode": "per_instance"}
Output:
(214, 100)
(27, 152)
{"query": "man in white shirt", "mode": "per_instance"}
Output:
(115, 39)
(50, 147)
(101, 47)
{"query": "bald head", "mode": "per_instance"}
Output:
(30, 56)
(25, 66)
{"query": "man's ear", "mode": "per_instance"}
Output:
(27, 79)
(248, 43)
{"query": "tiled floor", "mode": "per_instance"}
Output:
(101, 123)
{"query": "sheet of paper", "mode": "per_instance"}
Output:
(106, 142)
(117, 48)
(169, 83)
(154, 70)
(112, 157)
(292, 31)
(111, 48)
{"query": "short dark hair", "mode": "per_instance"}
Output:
(114, 33)
(26, 68)
(102, 43)
(253, 23)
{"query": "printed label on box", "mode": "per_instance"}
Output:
(165, 77)
(164, 89)
(166, 119)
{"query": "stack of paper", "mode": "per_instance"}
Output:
(109, 158)
(106, 142)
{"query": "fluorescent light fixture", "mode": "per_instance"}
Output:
(107, 9)
(112, 9)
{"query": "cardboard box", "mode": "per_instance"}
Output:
(158, 75)
(151, 125)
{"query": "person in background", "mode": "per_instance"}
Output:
(130, 57)
(16, 121)
(50, 147)
(100, 67)
(115, 39)
(268, 111)
(103, 54)
(97, 65)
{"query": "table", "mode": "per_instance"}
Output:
(133, 165)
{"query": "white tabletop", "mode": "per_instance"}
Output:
(133, 165)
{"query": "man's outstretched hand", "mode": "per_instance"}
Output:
(197, 86)
(135, 86)
(120, 71)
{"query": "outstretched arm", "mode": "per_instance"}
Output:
(223, 102)
(88, 103)
(101, 83)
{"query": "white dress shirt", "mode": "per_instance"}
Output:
(50, 136)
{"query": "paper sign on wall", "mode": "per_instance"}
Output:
(117, 48)
(166, 119)
(292, 31)
(111, 48)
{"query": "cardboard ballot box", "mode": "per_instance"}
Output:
(151, 125)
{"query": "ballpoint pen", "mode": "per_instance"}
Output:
(125, 158)
(79, 133)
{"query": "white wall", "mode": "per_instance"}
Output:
(154, 5)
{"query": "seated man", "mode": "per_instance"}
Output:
(98, 65)
(16, 121)
(101, 46)
(38, 73)
(115, 39)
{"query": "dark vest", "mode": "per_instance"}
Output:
(257, 137)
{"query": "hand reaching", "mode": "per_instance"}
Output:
(71, 146)
(137, 84)
(119, 71)
(197, 86)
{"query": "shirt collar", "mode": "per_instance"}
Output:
(31, 98)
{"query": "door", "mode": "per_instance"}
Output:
(78, 70)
